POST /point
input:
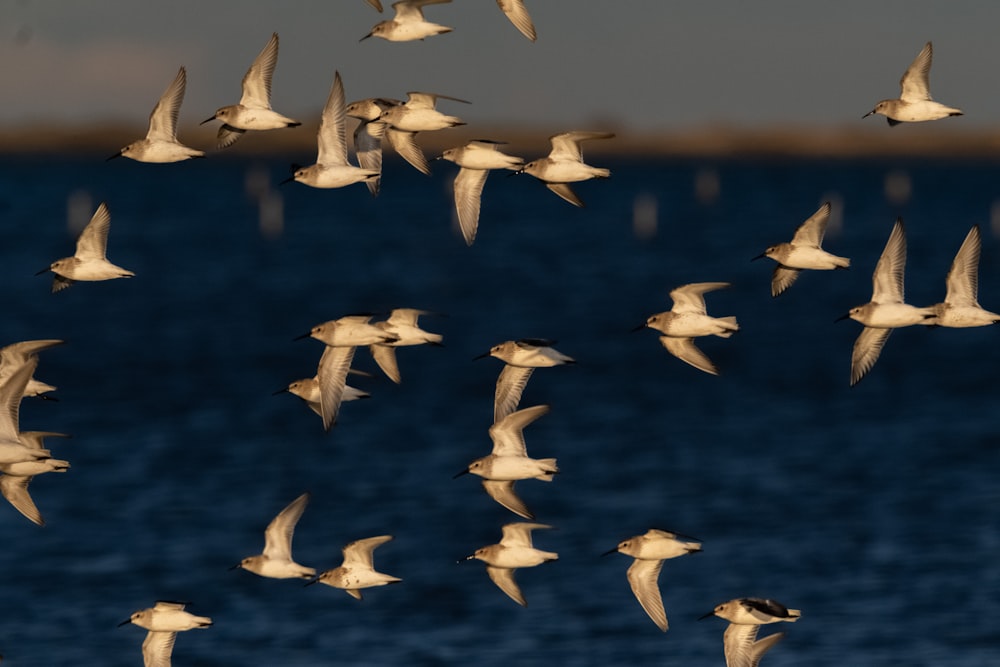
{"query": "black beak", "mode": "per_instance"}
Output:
(46, 270)
(869, 113)
(843, 317)
(638, 328)
(236, 567)
(207, 120)
(118, 154)
(305, 335)
(711, 613)
(280, 391)
(760, 256)
(365, 37)
(310, 582)
(125, 622)
(460, 473)
(287, 180)
(608, 553)
(481, 356)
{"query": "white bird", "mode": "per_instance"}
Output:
(521, 358)
(476, 158)
(961, 305)
(358, 569)
(308, 390)
(164, 621)
(408, 24)
(332, 170)
(518, 15)
(17, 476)
(509, 461)
(803, 252)
(419, 113)
(745, 615)
(254, 109)
(90, 261)
(371, 131)
(514, 551)
(160, 144)
(402, 323)
(276, 560)
(649, 551)
(886, 310)
(565, 165)
(915, 103)
(15, 354)
(687, 320)
(12, 449)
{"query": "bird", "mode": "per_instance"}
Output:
(163, 621)
(276, 560)
(745, 615)
(90, 261)
(402, 323)
(308, 390)
(475, 158)
(687, 320)
(358, 570)
(960, 307)
(332, 170)
(915, 103)
(408, 24)
(518, 15)
(13, 355)
(521, 357)
(419, 113)
(886, 310)
(803, 252)
(350, 330)
(370, 133)
(254, 109)
(514, 551)
(12, 448)
(649, 551)
(509, 461)
(16, 476)
(160, 144)
(565, 165)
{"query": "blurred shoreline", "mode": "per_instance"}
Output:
(876, 140)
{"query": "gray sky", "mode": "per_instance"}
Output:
(642, 64)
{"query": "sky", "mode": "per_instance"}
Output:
(641, 65)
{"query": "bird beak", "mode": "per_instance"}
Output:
(280, 391)
(760, 256)
(236, 567)
(460, 473)
(481, 356)
(711, 613)
(118, 154)
(869, 113)
(608, 553)
(310, 582)
(125, 622)
(305, 335)
(465, 558)
(843, 317)
(638, 328)
(287, 180)
(45, 270)
(207, 120)
(365, 37)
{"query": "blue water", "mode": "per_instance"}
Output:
(873, 509)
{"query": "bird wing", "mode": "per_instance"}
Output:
(518, 15)
(504, 579)
(508, 433)
(332, 136)
(643, 577)
(11, 392)
(963, 276)
(257, 80)
(866, 350)
(15, 490)
(518, 534)
(385, 357)
(368, 148)
(510, 385)
(566, 146)
(93, 241)
(887, 280)
(278, 535)
(915, 84)
(503, 493)
(566, 192)
(810, 232)
(359, 552)
(404, 144)
(332, 376)
(163, 118)
(690, 298)
(782, 278)
(685, 350)
(468, 193)
(157, 648)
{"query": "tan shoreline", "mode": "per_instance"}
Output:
(712, 142)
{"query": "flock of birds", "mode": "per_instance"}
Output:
(23, 455)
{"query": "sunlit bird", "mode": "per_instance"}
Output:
(915, 103)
